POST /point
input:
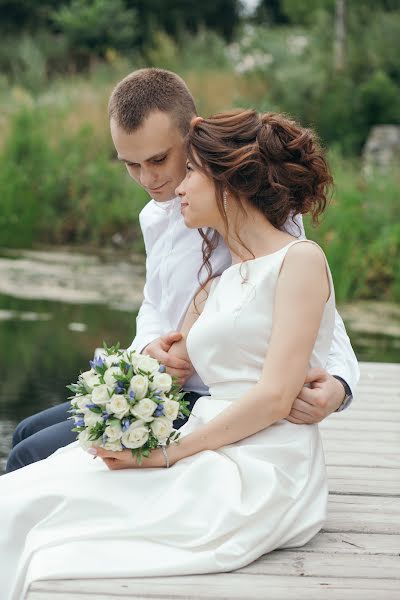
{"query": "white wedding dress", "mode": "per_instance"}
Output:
(69, 516)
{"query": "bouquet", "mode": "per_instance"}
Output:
(126, 400)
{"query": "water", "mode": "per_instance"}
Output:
(43, 347)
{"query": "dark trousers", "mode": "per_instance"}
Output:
(38, 436)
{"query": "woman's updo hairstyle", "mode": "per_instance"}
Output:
(267, 158)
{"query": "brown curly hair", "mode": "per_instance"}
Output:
(268, 159)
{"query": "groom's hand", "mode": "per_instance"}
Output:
(159, 348)
(318, 401)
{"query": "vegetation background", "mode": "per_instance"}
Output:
(334, 65)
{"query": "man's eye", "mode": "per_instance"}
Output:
(132, 165)
(157, 161)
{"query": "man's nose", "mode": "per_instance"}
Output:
(147, 177)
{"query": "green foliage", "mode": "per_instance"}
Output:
(94, 26)
(62, 191)
(361, 234)
(297, 68)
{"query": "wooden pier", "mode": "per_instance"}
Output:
(356, 555)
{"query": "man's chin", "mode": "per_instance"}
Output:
(162, 196)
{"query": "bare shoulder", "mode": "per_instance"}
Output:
(305, 268)
(305, 255)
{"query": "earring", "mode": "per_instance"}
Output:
(225, 197)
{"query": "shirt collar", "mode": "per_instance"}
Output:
(167, 205)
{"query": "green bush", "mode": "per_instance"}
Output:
(360, 233)
(63, 191)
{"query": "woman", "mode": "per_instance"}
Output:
(242, 480)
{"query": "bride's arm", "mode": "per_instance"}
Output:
(178, 349)
(301, 293)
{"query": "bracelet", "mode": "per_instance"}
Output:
(165, 455)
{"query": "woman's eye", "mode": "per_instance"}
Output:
(157, 161)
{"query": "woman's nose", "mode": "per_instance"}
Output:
(179, 190)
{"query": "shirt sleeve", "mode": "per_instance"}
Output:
(148, 325)
(148, 321)
(341, 360)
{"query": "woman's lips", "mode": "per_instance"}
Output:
(184, 205)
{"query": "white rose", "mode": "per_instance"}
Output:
(109, 361)
(162, 382)
(136, 436)
(100, 394)
(171, 409)
(118, 405)
(111, 376)
(161, 427)
(113, 432)
(114, 446)
(148, 364)
(85, 443)
(129, 356)
(91, 378)
(144, 409)
(81, 402)
(139, 385)
(92, 418)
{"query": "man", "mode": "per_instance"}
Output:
(150, 113)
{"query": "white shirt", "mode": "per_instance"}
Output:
(174, 257)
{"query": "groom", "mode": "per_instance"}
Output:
(150, 112)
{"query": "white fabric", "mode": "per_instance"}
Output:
(70, 517)
(174, 258)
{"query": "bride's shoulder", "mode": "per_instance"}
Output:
(304, 255)
(305, 263)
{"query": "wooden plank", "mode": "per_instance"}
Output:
(308, 564)
(352, 543)
(363, 514)
(361, 459)
(350, 425)
(221, 586)
(377, 416)
(363, 480)
(392, 437)
(353, 446)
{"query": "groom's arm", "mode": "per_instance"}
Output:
(330, 390)
(326, 390)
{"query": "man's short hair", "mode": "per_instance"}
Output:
(147, 90)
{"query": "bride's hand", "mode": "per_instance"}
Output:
(124, 460)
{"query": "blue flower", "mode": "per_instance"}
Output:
(104, 437)
(80, 423)
(119, 389)
(105, 415)
(162, 369)
(125, 424)
(90, 405)
(96, 362)
(132, 394)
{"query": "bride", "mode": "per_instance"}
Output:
(242, 480)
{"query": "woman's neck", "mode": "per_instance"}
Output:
(253, 236)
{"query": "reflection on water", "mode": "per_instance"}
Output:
(44, 345)
(40, 355)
